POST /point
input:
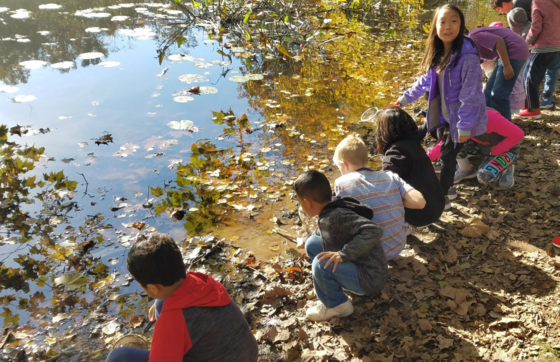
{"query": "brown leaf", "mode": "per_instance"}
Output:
(475, 228)
(425, 325)
(136, 321)
(451, 256)
(374, 357)
(282, 336)
(302, 334)
(444, 342)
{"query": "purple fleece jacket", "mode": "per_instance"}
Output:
(463, 94)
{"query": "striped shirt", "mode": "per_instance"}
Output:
(383, 192)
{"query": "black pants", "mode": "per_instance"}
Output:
(534, 75)
(449, 152)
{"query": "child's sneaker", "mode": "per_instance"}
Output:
(452, 193)
(507, 180)
(320, 312)
(546, 103)
(447, 204)
(556, 242)
(353, 292)
(461, 175)
(525, 113)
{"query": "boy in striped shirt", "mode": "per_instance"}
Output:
(385, 192)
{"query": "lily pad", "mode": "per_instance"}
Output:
(183, 99)
(71, 281)
(192, 78)
(21, 14)
(3, 9)
(33, 64)
(95, 29)
(111, 328)
(50, 6)
(203, 65)
(43, 32)
(239, 79)
(238, 50)
(92, 55)
(182, 125)
(209, 41)
(207, 90)
(109, 64)
(254, 76)
(221, 63)
(8, 89)
(119, 18)
(63, 65)
(23, 99)
(144, 33)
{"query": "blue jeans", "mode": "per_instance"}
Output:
(498, 89)
(551, 78)
(328, 285)
(130, 354)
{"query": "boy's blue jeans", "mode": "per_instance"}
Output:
(328, 285)
(130, 354)
(498, 89)
(551, 78)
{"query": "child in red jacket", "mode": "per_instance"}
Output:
(196, 320)
(500, 143)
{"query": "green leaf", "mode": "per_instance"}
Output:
(247, 17)
(180, 41)
(248, 35)
(286, 18)
(195, 4)
(442, 283)
(158, 191)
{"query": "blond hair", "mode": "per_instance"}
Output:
(352, 150)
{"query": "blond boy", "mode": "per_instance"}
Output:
(385, 192)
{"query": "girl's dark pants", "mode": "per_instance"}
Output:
(449, 152)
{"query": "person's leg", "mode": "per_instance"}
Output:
(128, 354)
(313, 246)
(490, 85)
(534, 74)
(551, 78)
(502, 88)
(493, 167)
(449, 152)
(328, 284)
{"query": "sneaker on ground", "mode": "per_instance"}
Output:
(447, 203)
(546, 103)
(408, 229)
(461, 175)
(525, 113)
(556, 242)
(320, 312)
(353, 292)
(507, 180)
(452, 193)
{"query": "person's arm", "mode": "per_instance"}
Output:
(417, 89)
(413, 199)
(367, 234)
(536, 24)
(470, 96)
(171, 339)
(501, 49)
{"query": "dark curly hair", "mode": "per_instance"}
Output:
(393, 124)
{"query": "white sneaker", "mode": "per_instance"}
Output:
(320, 312)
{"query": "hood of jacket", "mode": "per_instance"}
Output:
(197, 290)
(349, 203)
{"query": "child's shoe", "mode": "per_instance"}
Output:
(461, 175)
(353, 292)
(447, 204)
(507, 180)
(525, 113)
(452, 193)
(546, 103)
(320, 312)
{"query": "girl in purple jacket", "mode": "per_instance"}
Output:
(453, 78)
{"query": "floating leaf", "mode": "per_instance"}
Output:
(109, 64)
(33, 64)
(182, 125)
(71, 281)
(89, 56)
(183, 99)
(111, 328)
(238, 79)
(23, 99)
(50, 6)
(63, 65)
(8, 89)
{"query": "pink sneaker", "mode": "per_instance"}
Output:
(556, 242)
(525, 113)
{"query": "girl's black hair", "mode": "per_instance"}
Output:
(393, 124)
(435, 50)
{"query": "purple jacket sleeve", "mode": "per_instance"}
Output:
(418, 88)
(471, 92)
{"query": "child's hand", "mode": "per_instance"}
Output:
(333, 256)
(152, 313)
(508, 72)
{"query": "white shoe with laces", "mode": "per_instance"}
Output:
(320, 312)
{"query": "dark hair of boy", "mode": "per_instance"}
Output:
(313, 185)
(434, 52)
(156, 260)
(499, 3)
(393, 124)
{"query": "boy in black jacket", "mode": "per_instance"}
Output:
(345, 249)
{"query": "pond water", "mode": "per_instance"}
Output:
(145, 119)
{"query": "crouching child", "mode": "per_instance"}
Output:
(196, 320)
(345, 250)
